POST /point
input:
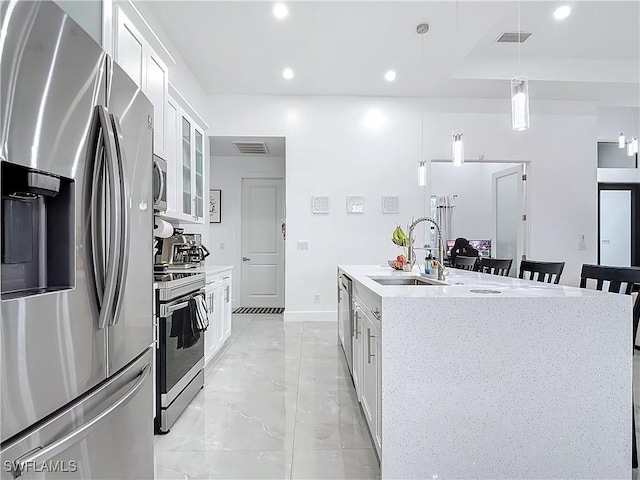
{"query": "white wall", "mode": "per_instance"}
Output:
(613, 120)
(472, 217)
(224, 237)
(339, 146)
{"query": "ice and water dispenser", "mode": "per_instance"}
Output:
(38, 242)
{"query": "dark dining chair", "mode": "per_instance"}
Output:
(547, 271)
(494, 266)
(464, 263)
(624, 280)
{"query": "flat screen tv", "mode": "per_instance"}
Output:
(483, 247)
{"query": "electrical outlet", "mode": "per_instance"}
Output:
(303, 244)
(316, 298)
(221, 245)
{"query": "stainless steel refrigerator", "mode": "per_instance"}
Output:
(76, 274)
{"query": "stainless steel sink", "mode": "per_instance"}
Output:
(406, 281)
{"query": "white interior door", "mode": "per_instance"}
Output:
(262, 281)
(615, 228)
(508, 210)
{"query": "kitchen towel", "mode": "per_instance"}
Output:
(201, 320)
(162, 228)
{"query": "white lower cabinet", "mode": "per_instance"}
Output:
(226, 324)
(210, 338)
(218, 300)
(356, 372)
(219, 306)
(367, 363)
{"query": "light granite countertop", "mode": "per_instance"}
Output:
(459, 284)
(213, 269)
(534, 382)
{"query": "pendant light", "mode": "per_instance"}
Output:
(422, 173)
(457, 147)
(519, 94)
(632, 147)
(520, 103)
(621, 139)
(422, 164)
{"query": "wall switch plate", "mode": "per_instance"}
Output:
(221, 245)
(316, 299)
(303, 245)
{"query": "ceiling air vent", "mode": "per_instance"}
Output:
(512, 37)
(252, 148)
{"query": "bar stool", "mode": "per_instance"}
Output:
(546, 270)
(464, 263)
(494, 266)
(617, 277)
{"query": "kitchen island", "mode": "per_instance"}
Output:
(492, 377)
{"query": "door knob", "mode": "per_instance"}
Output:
(245, 259)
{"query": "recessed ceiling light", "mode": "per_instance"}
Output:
(280, 11)
(287, 73)
(390, 76)
(562, 12)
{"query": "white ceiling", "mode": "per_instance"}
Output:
(344, 48)
(222, 146)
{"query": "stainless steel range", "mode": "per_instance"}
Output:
(179, 347)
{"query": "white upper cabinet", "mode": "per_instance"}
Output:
(136, 57)
(129, 50)
(178, 130)
(156, 90)
(186, 149)
(171, 153)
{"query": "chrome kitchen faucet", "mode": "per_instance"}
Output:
(411, 254)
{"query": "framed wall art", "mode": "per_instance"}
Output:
(215, 197)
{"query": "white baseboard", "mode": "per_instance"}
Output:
(329, 316)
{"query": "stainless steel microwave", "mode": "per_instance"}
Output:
(159, 184)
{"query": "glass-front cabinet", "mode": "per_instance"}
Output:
(186, 164)
(199, 174)
(186, 167)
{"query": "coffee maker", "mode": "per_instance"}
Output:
(181, 250)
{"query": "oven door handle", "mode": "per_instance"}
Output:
(166, 310)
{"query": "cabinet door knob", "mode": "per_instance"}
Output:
(245, 259)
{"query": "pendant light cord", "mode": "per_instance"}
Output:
(457, 37)
(422, 99)
(519, 34)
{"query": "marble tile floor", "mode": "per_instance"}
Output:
(278, 403)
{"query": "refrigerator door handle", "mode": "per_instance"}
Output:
(41, 454)
(111, 280)
(123, 197)
(95, 226)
